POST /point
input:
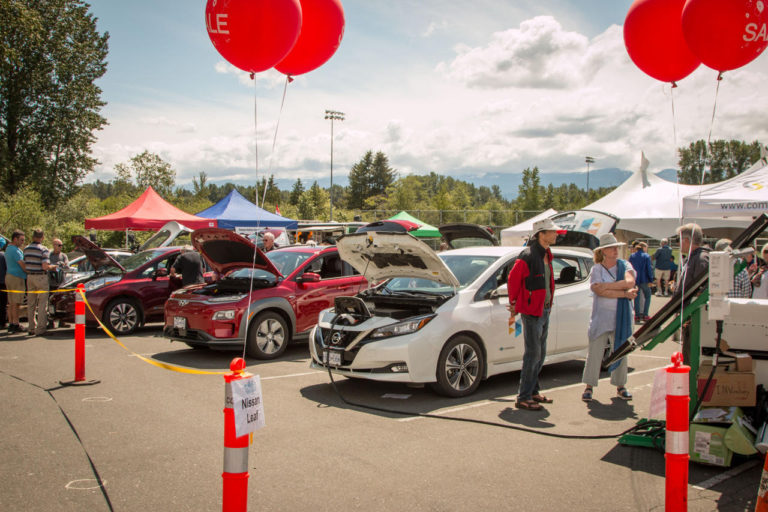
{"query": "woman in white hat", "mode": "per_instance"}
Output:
(612, 281)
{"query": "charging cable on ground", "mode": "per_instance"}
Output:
(653, 424)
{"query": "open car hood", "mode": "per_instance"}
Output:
(462, 230)
(95, 254)
(380, 255)
(165, 235)
(225, 250)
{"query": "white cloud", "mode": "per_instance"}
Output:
(538, 54)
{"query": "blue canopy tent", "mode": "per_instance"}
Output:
(236, 211)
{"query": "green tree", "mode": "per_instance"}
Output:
(360, 181)
(296, 191)
(200, 184)
(50, 56)
(381, 175)
(529, 193)
(720, 161)
(148, 170)
(319, 200)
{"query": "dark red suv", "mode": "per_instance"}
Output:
(262, 300)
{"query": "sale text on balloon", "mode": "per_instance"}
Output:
(752, 34)
(221, 24)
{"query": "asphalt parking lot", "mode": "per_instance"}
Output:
(154, 437)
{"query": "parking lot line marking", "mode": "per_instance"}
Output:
(511, 397)
(290, 375)
(650, 357)
(711, 482)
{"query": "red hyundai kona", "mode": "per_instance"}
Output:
(263, 300)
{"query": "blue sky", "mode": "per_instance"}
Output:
(458, 88)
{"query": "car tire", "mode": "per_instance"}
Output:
(460, 367)
(122, 316)
(268, 336)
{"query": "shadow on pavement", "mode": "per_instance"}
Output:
(532, 419)
(616, 410)
(421, 399)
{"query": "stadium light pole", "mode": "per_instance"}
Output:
(589, 160)
(333, 115)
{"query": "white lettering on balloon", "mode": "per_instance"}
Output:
(221, 24)
(752, 33)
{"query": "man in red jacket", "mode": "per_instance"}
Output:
(531, 286)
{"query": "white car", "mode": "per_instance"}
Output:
(442, 319)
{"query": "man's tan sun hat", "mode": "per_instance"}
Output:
(546, 225)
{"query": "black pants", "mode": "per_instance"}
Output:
(3, 306)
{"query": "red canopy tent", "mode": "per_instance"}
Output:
(148, 212)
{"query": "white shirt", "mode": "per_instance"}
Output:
(761, 292)
(603, 317)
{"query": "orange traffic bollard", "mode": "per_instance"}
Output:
(235, 475)
(676, 464)
(79, 341)
(762, 491)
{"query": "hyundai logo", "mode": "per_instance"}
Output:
(182, 302)
(336, 338)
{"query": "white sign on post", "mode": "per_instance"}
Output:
(658, 407)
(248, 406)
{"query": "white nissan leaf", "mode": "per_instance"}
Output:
(441, 318)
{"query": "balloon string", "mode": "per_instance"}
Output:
(258, 221)
(709, 136)
(674, 148)
(288, 79)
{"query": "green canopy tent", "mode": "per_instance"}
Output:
(425, 231)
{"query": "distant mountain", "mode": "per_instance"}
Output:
(509, 182)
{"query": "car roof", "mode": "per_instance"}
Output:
(505, 250)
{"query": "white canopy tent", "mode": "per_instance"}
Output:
(519, 233)
(742, 197)
(650, 206)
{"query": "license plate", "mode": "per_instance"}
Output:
(333, 358)
(179, 322)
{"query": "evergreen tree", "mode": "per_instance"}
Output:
(296, 191)
(382, 175)
(529, 193)
(360, 181)
(50, 56)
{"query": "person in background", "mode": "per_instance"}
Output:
(531, 288)
(15, 279)
(612, 281)
(443, 247)
(741, 287)
(641, 262)
(190, 265)
(269, 242)
(59, 258)
(36, 264)
(760, 279)
(663, 261)
(696, 264)
(3, 293)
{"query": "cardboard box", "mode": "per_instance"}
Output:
(741, 363)
(727, 388)
(740, 434)
(707, 445)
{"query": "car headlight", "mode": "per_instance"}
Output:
(100, 283)
(227, 314)
(227, 298)
(407, 327)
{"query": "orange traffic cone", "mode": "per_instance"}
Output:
(762, 491)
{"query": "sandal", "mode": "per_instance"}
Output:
(587, 395)
(623, 393)
(542, 399)
(530, 405)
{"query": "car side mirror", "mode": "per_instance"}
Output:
(501, 291)
(308, 277)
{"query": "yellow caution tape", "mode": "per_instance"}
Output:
(57, 290)
(165, 366)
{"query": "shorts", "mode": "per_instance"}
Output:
(15, 283)
(661, 274)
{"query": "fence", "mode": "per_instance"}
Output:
(497, 219)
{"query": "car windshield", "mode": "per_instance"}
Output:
(137, 260)
(255, 273)
(288, 261)
(466, 268)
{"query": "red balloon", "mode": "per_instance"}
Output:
(654, 39)
(322, 28)
(726, 34)
(253, 35)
